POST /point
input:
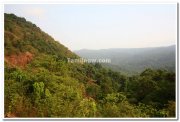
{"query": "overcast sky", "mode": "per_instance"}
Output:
(100, 26)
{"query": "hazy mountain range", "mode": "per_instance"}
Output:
(134, 60)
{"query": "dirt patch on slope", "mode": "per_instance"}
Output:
(21, 59)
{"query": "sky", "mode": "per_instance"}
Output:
(102, 26)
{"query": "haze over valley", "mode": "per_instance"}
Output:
(134, 60)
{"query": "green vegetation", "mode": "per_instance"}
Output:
(22, 36)
(49, 86)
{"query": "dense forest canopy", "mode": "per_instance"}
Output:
(39, 82)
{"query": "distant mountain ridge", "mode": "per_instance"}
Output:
(134, 60)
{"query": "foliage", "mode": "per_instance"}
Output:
(49, 86)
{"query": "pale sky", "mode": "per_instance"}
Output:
(101, 26)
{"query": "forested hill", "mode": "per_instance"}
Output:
(135, 60)
(24, 38)
(39, 82)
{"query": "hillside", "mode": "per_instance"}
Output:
(24, 40)
(39, 82)
(134, 60)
